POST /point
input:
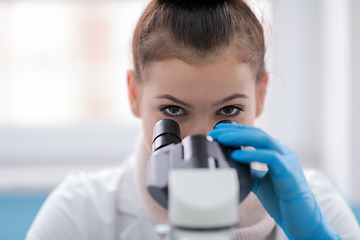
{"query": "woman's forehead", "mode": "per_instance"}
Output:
(199, 86)
(176, 73)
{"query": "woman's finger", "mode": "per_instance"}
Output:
(245, 136)
(257, 178)
(285, 172)
(274, 160)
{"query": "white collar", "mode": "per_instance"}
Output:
(129, 203)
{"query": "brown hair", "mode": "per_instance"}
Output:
(197, 32)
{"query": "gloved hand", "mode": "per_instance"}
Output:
(283, 189)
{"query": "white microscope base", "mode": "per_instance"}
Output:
(203, 235)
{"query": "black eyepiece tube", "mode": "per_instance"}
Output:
(165, 132)
(196, 150)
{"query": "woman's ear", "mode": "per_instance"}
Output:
(133, 92)
(260, 94)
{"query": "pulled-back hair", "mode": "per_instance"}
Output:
(197, 32)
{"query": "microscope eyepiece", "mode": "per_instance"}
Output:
(165, 132)
(225, 121)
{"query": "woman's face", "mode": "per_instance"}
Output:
(196, 97)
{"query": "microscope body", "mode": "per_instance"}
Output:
(198, 182)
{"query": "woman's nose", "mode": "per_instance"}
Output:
(202, 127)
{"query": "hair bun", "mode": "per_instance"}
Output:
(191, 2)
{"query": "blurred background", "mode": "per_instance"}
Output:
(63, 100)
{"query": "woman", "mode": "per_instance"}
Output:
(198, 62)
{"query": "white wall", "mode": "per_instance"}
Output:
(292, 110)
(38, 159)
(313, 100)
(355, 111)
(336, 93)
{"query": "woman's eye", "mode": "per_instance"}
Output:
(172, 111)
(230, 111)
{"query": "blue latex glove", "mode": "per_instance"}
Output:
(283, 189)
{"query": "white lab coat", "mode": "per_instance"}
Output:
(106, 205)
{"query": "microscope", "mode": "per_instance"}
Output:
(198, 182)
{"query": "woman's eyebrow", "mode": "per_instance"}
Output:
(174, 99)
(231, 97)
